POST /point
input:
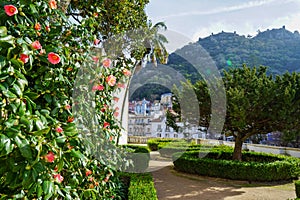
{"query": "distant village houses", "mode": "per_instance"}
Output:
(148, 119)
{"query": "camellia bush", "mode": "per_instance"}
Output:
(43, 153)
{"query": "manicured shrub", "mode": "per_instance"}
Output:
(141, 187)
(156, 144)
(140, 157)
(297, 188)
(219, 164)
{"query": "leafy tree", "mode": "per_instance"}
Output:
(258, 104)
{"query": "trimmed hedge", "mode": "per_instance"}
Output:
(255, 167)
(169, 151)
(140, 156)
(297, 188)
(156, 144)
(141, 187)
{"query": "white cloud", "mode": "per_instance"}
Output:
(224, 9)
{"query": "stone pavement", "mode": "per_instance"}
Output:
(171, 184)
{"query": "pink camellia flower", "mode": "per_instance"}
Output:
(10, 10)
(126, 72)
(67, 107)
(36, 45)
(24, 58)
(95, 58)
(52, 4)
(88, 172)
(58, 178)
(106, 62)
(121, 85)
(59, 129)
(42, 51)
(96, 41)
(53, 58)
(106, 124)
(49, 157)
(37, 26)
(116, 113)
(116, 99)
(111, 80)
(98, 88)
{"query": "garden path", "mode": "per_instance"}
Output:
(172, 185)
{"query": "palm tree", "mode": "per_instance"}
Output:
(155, 44)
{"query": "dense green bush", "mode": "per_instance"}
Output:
(141, 187)
(259, 167)
(297, 188)
(156, 144)
(169, 151)
(140, 156)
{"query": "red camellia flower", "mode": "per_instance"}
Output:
(59, 129)
(52, 4)
(98, 88)
(111, 80)
(58, 178)
(48, 28)
(70, 119)
(106, 124)
(24, 58)
(88, 172)
(37, 26)
(36, 45)
(49, 157)
(53, 58)
(126, 72)
(106, 62)
(10, 10)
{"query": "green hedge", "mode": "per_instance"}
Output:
(297, 188)
(140, 156)
(159, 143)
(256, 167)
(169, 151)
(141, 187)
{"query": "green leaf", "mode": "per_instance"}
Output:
(48, 187)
(33, 9)
(41, 132)
(17, 90)
(2, 62)
(24, 147)
(39, 190)
(31, 95)
(22, 83)
(8, 146)
(12, 132)
(61, 139)
(9, 94)
(77, 154)
(39, 124)
(3, 31)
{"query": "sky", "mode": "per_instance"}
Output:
(201, 18)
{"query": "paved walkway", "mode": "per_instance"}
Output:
(171, 184)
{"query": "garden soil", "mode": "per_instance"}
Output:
(173, 185)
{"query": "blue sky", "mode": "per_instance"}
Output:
(200, 18)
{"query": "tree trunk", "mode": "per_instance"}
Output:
(237, 153)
